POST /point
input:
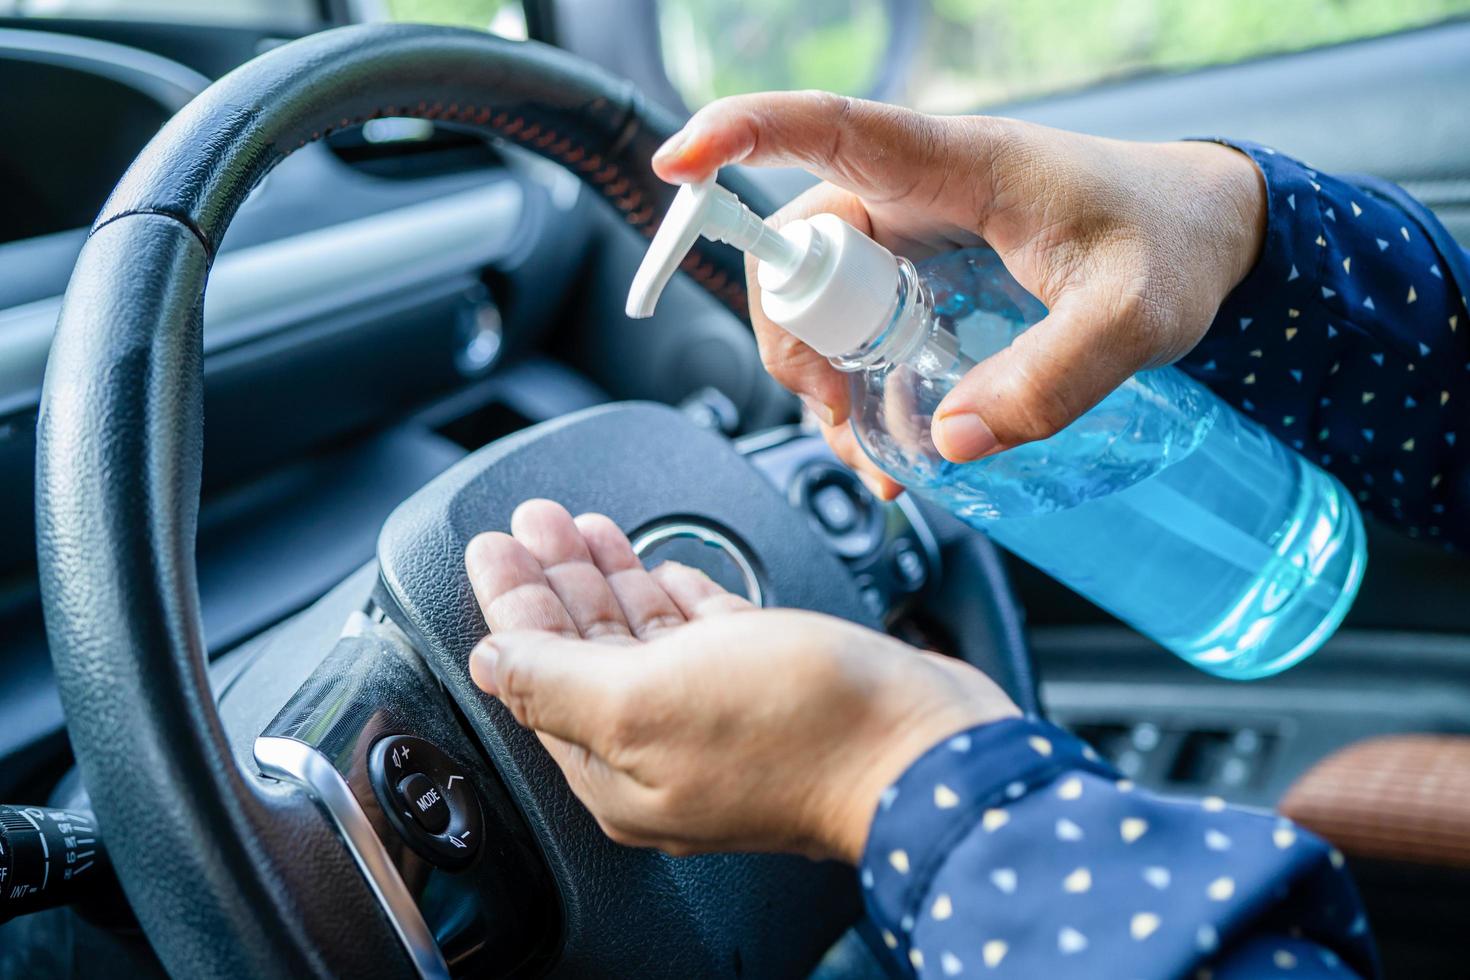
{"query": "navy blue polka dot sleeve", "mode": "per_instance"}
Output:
(1012, 850)
(1350, 341)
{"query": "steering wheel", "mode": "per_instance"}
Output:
(234, 873)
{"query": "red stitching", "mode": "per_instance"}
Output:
(607, 177)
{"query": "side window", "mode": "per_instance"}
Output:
(504, 17)
(713, 48)
(293, 14)
(957, 55)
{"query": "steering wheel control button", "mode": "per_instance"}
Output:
(425, 802)
(840, 508)
(428, 798)
(909, 566)
(874, 601)
(835, 508)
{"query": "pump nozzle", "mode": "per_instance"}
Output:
(704, 209)
(821, 279)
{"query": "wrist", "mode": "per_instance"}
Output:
(1245, 189)
(860, 796)
(1236, 190)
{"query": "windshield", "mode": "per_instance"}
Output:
(957, 55)
(303, 14)
(504, 17)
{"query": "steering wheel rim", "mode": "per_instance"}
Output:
(227, 876)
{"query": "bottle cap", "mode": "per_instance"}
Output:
(821, 279)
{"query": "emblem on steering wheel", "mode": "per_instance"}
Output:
(703, 547)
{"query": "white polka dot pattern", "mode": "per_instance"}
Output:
(1073, 875)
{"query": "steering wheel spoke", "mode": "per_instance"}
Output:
(371, 737)
(254, 877)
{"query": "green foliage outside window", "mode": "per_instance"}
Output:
(721, 47)
(459, 13)
(976, 52)
(986, 51)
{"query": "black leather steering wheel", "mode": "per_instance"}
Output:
(231, 874)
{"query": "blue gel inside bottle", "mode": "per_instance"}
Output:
(1162, 504)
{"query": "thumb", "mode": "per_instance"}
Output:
(1085, 347)
(556, 685)
(874, 150)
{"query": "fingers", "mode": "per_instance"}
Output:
(822, 388)
(566, 688)
(792, 363)
(1090, 343)
(695, 593)
(551, 536)
(593, 707)
(646, 606)
(511, 587)
(879, 151)
(844, 443)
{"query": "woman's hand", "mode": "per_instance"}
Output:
(1131, 246)
(687, 720)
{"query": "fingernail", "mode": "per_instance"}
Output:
(819, 409)
(482, 665)
(672, 147)
(963, 437)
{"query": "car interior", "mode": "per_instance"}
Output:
(417, 242)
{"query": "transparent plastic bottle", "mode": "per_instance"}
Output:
(1161, 504)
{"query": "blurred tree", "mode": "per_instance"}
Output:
(460, 13)
(976, 52)
(985, 51)
(720, 47)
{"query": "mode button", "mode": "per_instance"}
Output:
(427, 798)
(425, 802)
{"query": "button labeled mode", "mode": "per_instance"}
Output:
(425, 802)
(428, 799)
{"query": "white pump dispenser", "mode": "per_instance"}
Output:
(1161, 504)
(821, 279)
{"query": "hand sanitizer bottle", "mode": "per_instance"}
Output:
(1162, 504)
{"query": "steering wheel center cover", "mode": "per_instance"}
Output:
(644, 466)
(230, 876)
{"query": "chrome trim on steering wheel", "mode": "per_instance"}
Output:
(297, 762)
(708, 535)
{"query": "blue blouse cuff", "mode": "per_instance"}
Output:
(965, 780)
(1342, 342)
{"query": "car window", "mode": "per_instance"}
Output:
(304, 14)
(504, 17)
(954, 55)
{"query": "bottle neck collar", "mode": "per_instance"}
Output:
(904, 330)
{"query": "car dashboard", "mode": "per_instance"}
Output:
(386, 303)
(377, 310)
